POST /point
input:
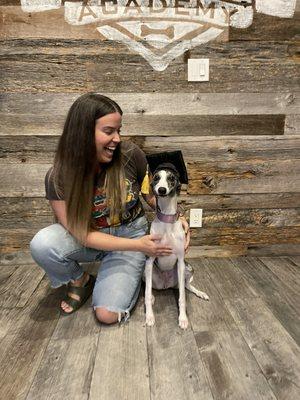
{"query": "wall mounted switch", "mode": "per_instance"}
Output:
(198, 69)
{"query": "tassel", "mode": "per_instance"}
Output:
(145, 184)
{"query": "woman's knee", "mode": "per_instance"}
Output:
(46, 240)
(38, 243)
(105, 316)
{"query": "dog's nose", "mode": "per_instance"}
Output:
(162, 190)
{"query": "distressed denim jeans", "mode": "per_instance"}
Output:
(119, 275)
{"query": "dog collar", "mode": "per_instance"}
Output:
(168, 218)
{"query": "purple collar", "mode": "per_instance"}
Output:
(168, 218)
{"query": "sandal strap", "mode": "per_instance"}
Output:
(72, 302)
(81, 290)
(83, 293)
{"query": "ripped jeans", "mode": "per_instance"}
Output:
(119, 276)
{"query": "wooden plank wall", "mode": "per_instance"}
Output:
(239, 132)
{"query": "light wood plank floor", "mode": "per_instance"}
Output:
(242, 345)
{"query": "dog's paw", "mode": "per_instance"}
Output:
(150, 320)
(183, 323)
(203, 295)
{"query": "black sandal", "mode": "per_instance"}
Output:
(83, 292)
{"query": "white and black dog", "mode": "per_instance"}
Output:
(168, 271)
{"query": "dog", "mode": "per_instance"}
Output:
(168, 271)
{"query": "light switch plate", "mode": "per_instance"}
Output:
(198, 69)
(196, 217)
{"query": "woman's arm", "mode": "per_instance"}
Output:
(103, 241)
(150, 199)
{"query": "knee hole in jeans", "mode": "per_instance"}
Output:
(105, 316)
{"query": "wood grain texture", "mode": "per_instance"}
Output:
(229, 363)
(162, 125)
(18, 288)
(67, 365)
(242, 147)
(236, 347)
(280, 301)
(167, 342)
(292, 125)
(23, 346)
(197, 103)
(85, 66)
(243, 177)
(268, 28)
(285, 271)
(275, 351)
(121, 369)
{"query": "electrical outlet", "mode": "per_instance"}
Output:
(196, 217)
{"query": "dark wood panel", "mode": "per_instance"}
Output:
(152, 125)
(268, 28)
(234, 67)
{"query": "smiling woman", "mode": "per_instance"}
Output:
(93, 189)
(107, 136)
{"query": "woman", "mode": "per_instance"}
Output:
(93, 189)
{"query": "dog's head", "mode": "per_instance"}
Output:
(166, 181)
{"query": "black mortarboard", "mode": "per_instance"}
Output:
(168, 160)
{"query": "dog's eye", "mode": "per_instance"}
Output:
(155, 178)
(172, 178)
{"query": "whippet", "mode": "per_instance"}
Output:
(168, 271)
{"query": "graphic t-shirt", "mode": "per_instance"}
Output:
(135, 168)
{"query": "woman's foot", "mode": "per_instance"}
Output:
(78, 283)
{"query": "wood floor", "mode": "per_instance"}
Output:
(243, 344)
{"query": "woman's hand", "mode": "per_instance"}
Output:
(186, 229)
(150, 245)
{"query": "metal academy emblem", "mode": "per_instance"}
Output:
(161, 30)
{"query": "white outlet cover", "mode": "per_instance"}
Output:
(196, 217)
(198, 69)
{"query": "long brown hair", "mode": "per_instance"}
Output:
(75, 164)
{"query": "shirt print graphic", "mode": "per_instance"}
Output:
(100, 211)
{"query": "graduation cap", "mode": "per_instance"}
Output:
(172, 160)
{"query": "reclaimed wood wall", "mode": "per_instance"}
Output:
(239, 132)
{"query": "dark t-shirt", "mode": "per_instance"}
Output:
(135, 169)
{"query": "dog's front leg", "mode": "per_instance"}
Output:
(150, 320)
(183, 321)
